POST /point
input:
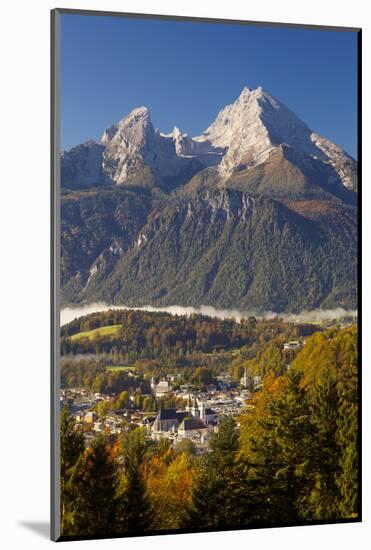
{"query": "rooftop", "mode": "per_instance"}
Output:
(192, 424)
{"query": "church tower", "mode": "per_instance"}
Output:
(245, 380)
(189, 403)
(195, 411)
(203, 411)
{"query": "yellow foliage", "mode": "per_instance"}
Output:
(251, 421)
(169, 482)
(334, 351)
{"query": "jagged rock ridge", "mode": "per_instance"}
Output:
(258, 212)
(244, 135)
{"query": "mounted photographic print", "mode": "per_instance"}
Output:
(205, 198)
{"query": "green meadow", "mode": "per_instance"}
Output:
(101, 331)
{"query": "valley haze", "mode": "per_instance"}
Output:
(68, 314)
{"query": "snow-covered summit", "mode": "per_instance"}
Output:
(244, 135)
(252, 127)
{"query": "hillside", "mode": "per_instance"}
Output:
(151, 334)
(258, 212)
(222, 248)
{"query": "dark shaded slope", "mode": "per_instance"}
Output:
(228, 249)
(97, 228)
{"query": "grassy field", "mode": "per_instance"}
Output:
(102, 331)
(120, 367)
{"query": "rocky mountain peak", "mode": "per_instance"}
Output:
(250, 129)
(243, 136)
(131, 130)
(239, 130)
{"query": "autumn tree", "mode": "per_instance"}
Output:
(279, 453)
(122, 400)
(329, 362)
(102, 408)
(348, 429)
(299, 440)
(169, 482)
(186, 446)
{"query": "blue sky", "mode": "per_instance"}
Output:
(185, 72)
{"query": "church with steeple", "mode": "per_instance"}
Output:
(195, 418)
(198, 409)
(246, 381)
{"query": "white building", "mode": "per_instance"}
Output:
(294, 344)
(246, 381)
(198, 409)
(161, 389)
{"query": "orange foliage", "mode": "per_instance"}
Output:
(169, 480)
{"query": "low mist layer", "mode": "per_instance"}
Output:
(70, 313)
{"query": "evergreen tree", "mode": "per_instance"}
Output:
(299, 442)
(293, 435)
(71, 446)
(280, 454)
(95, 483)
(321, 502)
(134, 513)
(217, 498)
(335, 353)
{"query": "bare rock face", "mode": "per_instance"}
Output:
(246, 134)
(239, 129)
(127, 143)
(133, 144)
(82, 166)
(251, 128)
(188, 147)
(343, 164)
